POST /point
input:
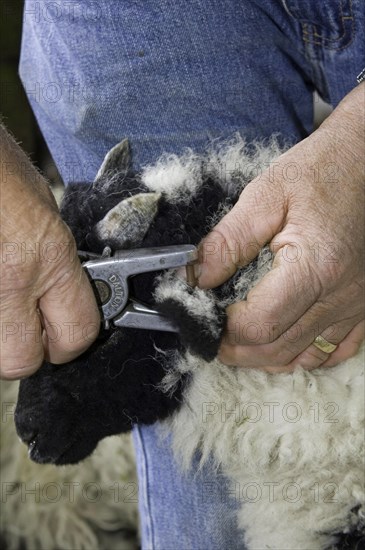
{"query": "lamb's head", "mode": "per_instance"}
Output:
(64, 410)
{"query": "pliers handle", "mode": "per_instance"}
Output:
(110, 273)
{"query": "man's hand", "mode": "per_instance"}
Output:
(47, 305)
(309, 205)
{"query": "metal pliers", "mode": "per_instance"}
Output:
(109, 276)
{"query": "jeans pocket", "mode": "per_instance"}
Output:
(326, 23)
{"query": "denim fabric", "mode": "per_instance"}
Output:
(165, 74)
(183, 511)
(169, 75)
(174, 74)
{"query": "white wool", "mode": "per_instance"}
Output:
(301, 432)
(175, 176)
(235, 163)
(229, 161)
(71, 507)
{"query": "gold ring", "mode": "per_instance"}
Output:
(322, 344)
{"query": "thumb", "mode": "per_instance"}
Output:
(237, 239)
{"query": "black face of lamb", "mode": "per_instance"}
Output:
(63, 411)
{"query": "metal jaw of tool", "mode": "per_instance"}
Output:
(110, 273)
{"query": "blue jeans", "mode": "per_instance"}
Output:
(169, 75)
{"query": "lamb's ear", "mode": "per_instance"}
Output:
(126, 224)
(197, 314)
(118, 159)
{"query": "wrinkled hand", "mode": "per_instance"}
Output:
(47, 305)
(309, 205)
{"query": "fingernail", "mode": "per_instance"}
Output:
(197, 269)
(190, 273)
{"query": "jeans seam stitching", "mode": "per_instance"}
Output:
(329, 43)
(144, 483)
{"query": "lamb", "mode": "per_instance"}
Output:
(294, 440)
